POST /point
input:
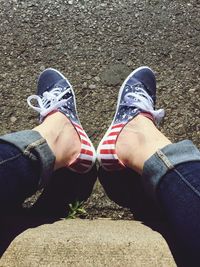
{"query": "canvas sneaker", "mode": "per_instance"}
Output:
(55, 93)
(137, 95)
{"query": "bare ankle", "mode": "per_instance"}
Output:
(58, 131)
(138, 141)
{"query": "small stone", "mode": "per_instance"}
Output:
(97, 78)
(85, 85)
(129, 63)
(92, 86)
(180, 129)
(70, 2)
(42, 68)
(88, 77)
(13, 119)
(180, 126)
(192, 90)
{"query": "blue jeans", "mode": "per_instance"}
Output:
(172, 177)
(26, 163)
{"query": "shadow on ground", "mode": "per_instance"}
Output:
(64, 188)
(125, 188)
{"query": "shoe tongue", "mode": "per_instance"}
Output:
(135, 81)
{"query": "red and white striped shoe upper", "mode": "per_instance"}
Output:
(87, 157)
(107, 155)
(106, 151)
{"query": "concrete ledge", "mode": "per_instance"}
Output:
(88, 243)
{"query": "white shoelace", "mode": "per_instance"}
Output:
(144, 102)
(49, 101)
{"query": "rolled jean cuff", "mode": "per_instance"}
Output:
(35, 147)
(165, 160)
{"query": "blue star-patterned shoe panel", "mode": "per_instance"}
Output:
(126, 111)
(69, 109)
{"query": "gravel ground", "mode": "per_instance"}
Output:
(96, 44)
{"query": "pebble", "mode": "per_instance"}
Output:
(42, 68)
(85, 85)
(88, 77)
(92, 86)
(180, 126)
(13, 119)
(129, 63)
(192, 90)
(180, 129)
(97, 78)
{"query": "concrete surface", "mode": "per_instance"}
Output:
(87, 243)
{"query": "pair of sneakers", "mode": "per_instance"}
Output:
(137, 95)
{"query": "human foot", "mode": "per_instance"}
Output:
(60, 123)
(58, 131)
(138, 141)
(137, 95)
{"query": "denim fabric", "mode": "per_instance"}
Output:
(166, 159)
(178, 195)
(19, 177)
(34, 147)
(172, 176)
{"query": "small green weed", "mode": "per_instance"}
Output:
(76, 210)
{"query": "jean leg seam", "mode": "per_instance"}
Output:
(10, 159)
(27, 151)
(165, 160)
(188, 184)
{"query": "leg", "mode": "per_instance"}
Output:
(145, 143)
(19, 176)
(170, 171)
(29, 157)
(171, 174)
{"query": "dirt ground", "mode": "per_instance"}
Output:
(96, 44)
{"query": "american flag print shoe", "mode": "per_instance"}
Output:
(137, 95)
(55, 93)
